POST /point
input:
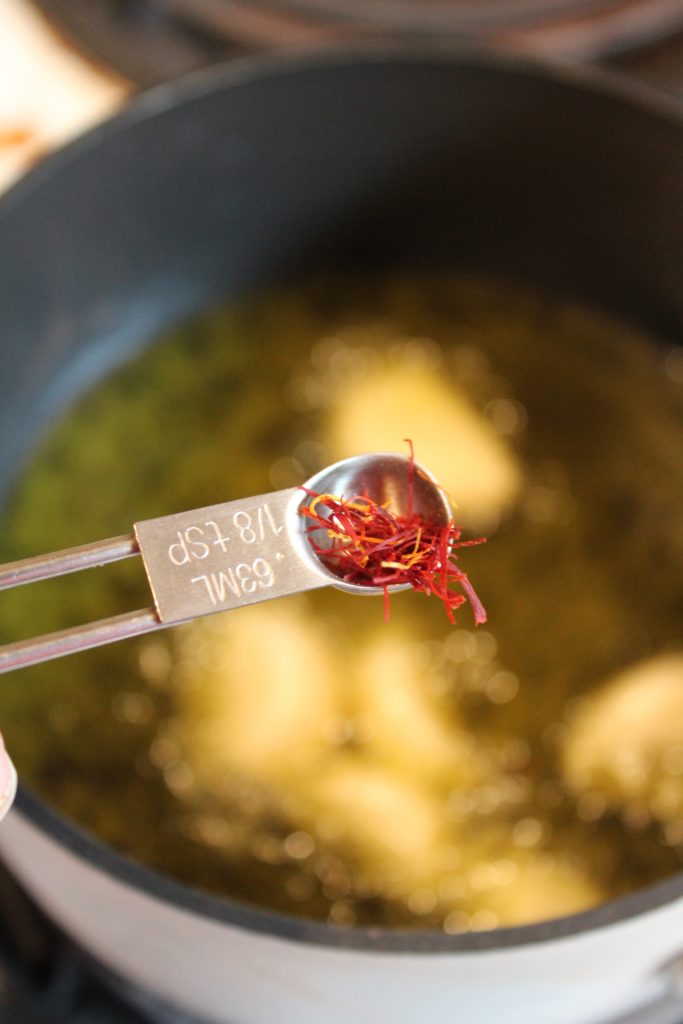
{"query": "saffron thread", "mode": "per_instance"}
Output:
(364, 542)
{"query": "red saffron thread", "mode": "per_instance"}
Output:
(365, 543)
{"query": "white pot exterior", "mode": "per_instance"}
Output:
(230, 975)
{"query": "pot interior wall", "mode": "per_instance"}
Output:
(233, 181)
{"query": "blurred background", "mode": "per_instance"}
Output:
(66, 65)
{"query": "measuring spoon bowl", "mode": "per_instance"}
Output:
(382, 476)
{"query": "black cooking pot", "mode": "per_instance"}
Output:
(250, 175)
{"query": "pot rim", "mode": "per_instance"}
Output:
(153, 883)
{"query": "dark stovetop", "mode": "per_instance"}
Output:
(45, 979)
(152, 41)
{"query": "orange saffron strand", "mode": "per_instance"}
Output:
(365, 543)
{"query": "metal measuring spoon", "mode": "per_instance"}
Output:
(223, 556)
